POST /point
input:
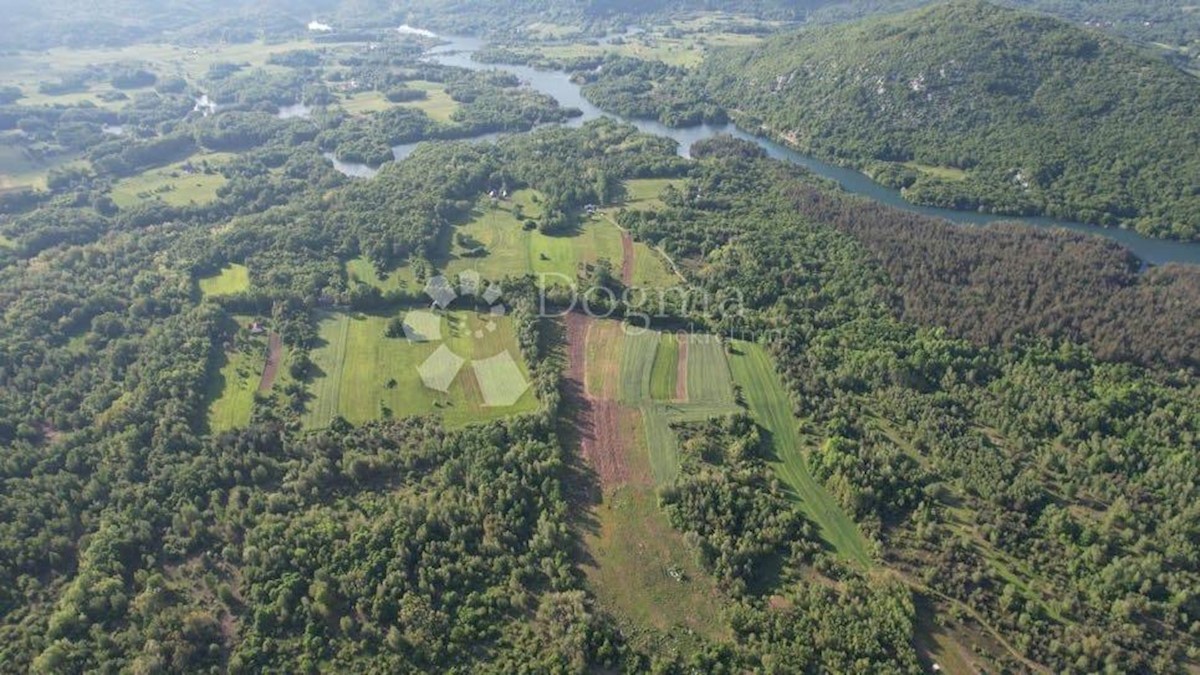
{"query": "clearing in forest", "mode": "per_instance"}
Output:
(230, 280)
(500, 241)
(241, 371)
(361, 374)
(772, 408)
(637, 564)
(194, 180)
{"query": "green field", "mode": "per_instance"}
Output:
(771, 407)
(232, 389)
(646, 358)
(437, 104)
(664, 374)
(943, 172)
(708, 377)
(633, 552)
(361, 270)
(644, 193)
(637, 365)
(362, 375)
(510, 249)
(173, 184)
(5, 242)
(21, 170)
(231, 279)
(27, 69)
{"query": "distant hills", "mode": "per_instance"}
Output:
(970, 105)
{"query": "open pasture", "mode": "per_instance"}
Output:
(230, 280)
(361, 374)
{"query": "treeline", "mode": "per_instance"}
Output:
(996, 285)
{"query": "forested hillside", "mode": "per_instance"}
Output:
(971, 106)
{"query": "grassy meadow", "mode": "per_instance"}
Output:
(173, 184)
(230, 280)
(362, 375)
(772, 408)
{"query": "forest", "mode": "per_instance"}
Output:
(972, 106)
(1005, 418)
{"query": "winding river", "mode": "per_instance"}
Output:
(458, 51)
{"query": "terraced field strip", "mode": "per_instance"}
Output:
(666, 368)
(771, 407)
(709, 379)
(637, 365)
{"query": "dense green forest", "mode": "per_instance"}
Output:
(1007, 418)
(968, 105)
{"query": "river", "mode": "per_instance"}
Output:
(458, 51)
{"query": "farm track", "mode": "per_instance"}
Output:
(271, 369)
(627, 259)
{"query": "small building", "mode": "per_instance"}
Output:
(256, 328)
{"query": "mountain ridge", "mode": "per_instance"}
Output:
(970, 105)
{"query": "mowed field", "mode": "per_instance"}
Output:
(230, 280)
(510, 249)
(650, 371)
(173, 184)
(771, 407)
(362, 375)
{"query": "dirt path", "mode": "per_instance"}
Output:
(598, 420)
(627, 258)
(681, 368)
(274, 356)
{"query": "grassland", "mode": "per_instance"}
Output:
(708, 376)
(644, 383)
(27, 69)
(510, 249)
(769, 404)
(361, 270)
(943, 172)
(634, 551)
(174, 184)
(437, 104)
(687, 50)
(362, 375)
(638, 566)
(20, 170)
(666, 368)
(230, 280)
(5, 242)
(637, 365)
(232, 391)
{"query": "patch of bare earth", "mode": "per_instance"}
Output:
(627, 258)
(598, 418)
(274, 356)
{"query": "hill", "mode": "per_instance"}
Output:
(969, 105)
